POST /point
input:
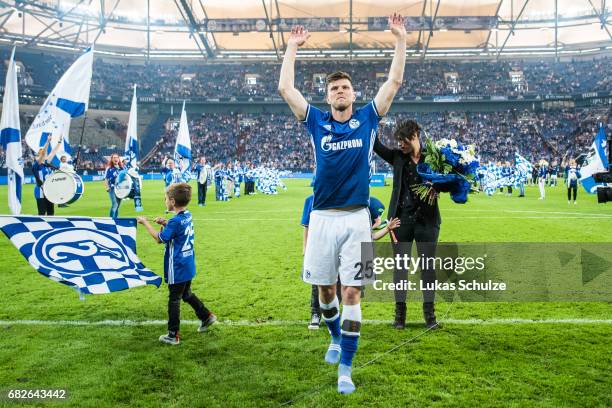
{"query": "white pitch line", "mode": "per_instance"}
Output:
(296, 220)
(470, 217)
(525, 217)
(249, 323)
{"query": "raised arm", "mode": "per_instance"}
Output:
(387, 91)
(55, 149)
(286, 86)
(42, 154)
(383, 151)
(154, 234)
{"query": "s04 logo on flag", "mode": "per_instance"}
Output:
(93, 255)
(67, 251)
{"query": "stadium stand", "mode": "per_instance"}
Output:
(258, 80)
(278, 140)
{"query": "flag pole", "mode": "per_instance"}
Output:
(78, 155)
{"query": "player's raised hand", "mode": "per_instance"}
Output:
(396, 24)
(298, 35)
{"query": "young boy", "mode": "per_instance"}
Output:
(179, 261)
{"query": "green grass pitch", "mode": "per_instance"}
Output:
(248, 253)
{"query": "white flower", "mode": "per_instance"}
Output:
(443, 143)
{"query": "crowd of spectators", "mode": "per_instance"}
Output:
(259, 79)
(279, 140)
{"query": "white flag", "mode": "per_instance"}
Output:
(182, 150)
(69, 99)
(131, 138)
(10, 136)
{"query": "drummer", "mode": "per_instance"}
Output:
(113, 168)
(41, 168)
(170, 172)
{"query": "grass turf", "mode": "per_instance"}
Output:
(249, 261)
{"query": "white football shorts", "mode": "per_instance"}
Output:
(334, 247)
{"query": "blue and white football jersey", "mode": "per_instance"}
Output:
(172, 176)
(343, 152)
(542, 172)
(42, 171)
(179, 257)
(111, 174)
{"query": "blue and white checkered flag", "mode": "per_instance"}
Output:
(491, 174)
(93, 255)
(523, 168)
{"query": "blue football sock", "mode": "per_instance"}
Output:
(348, 345)
(334, 328)
(331, 317)
(351, 327)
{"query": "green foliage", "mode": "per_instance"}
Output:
(434, 158)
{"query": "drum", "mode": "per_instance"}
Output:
(63, 188)
(124, 185)
(127, 185)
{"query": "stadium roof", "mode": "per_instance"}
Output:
(258, 28)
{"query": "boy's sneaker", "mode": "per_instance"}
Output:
(315, 322)
(169, 339)
(207, 323)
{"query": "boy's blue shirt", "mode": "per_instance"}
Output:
(179, 256)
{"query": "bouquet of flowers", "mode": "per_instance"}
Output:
(448, 167)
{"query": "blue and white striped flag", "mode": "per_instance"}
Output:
(131, 138)
(69, 99)
(93, 255)
(10, 137)
(182, 150)
(596, 162)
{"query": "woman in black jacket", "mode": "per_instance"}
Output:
(420, 222)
